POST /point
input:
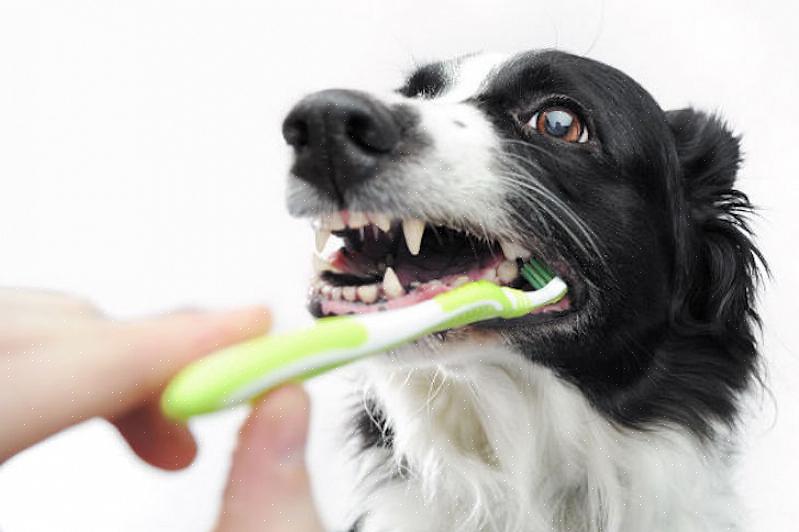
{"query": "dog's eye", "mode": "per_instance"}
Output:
(560, 123)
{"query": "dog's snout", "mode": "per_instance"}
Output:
(340, 138)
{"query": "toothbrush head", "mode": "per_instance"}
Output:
(536, 273)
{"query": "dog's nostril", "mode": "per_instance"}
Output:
(369, 135)
(295, 132)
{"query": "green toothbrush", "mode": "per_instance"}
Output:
(244, 371)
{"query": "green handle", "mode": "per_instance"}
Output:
(198, 388)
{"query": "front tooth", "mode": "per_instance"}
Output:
(334, 222)
(460, 281)
(335, 294)
(382, 221)
(391, 285)
(322, 234)
(357, 220)
(413, 228)
(349, 293)
(507, 271)
(367, 293)
(512, 251)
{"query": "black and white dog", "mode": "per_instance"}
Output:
(610, 411)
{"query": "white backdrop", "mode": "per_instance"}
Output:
(141, 164)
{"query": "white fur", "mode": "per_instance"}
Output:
(470, 75)
(487, 441)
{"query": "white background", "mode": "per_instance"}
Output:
(141, 164)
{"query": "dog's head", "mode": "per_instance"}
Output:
(477, 163)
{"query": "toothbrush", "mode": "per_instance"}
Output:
(244, 371)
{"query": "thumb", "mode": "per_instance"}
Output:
(268, 487)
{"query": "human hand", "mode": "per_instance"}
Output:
(62, 362)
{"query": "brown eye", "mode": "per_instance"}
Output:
(560, 123)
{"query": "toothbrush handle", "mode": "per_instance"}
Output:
(241, 372)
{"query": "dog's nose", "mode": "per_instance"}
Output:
(340, 138)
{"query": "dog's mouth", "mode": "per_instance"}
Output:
(384, 263)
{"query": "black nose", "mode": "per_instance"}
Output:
(340, 139)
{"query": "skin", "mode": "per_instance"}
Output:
(62, 362)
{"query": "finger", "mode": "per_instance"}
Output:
(106, 369)
(141, 357)
(268, 487)
(155, 439)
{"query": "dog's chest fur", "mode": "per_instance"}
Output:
(504, 445)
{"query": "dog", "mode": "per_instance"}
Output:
(613, 410)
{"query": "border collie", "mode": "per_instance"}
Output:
(613, 410)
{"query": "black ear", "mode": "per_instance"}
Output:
(718, 265)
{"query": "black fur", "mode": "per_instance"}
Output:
(666, 333)
(662, 329)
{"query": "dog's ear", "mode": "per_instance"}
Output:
(718, 269)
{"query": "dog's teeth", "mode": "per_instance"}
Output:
(333, 222)
(367, 293)
(322, 234)
(413, 229)
(325, 290)
(335, 294)
(507, 271)
(490, 275)
(381, 220)
(357, 220)
(460, 281)
(350, 293)
(391, 285)
(513, 251)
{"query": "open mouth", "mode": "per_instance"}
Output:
(384, 263)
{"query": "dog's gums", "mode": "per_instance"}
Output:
(386, 264)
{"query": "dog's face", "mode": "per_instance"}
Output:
(476, 164)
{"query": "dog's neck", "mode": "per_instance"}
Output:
(482, 440)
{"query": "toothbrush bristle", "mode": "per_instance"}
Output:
(536, 273)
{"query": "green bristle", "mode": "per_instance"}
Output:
(536, 274)
(531, 277)
(542, 270)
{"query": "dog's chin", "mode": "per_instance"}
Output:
(384, 263)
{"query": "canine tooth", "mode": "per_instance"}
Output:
(413, 228)
(325, 290)
(357, 220)
(490, 275)
(460, 281)
(350, 293)
(335, 294)
(322, 234)
(391, 285)
(507, 271)
(334, 222)
(367, 293)
(513, 251)
(381, 220)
